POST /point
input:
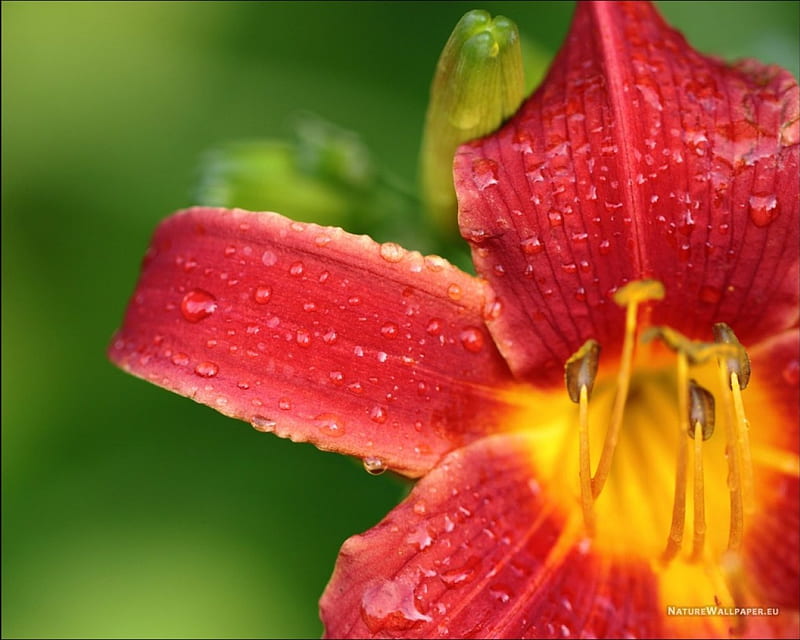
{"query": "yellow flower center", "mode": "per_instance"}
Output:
(655, 455)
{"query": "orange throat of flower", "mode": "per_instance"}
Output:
(655, 456)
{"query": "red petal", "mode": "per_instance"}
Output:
(772, 540)
(476, 550)
(777, 362)
(315, 334)
(638, 157)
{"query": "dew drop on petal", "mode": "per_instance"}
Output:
(262, 294)
(330, 425)
(206, 369)
(763, 209)
(374, 466)
(378, 414)
(198, 304)
(303, 338)
(180, 359)
(284, 404)
(389, 330)
(268, 258)
(435, 326)
(472, 339)
(265, 425)
(388, 606)
(392, 252)
(420, 508)
(297, 269)
(531, 246)
(454, 291)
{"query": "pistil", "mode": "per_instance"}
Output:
(629, 296)
(675, 537)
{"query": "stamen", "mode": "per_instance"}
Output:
(628, 296)
(580, 372)
(734, 469)
(679, 503)
(737, 366)
(701, 419)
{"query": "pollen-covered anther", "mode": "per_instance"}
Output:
(629, 296)
(580, 372)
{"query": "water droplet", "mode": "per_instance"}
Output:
(206, 369)
(531, 246)
(555, 218)
(500, 592)
(358, 351)
(198, 304)
(262, 294)
(230, 250)
(309, 306)
(330, 425)
(284, 404)
(336, 377)
(484, 172)
(462, 574)
(388, 605)
(243, 385)
(472, 339)
(435, 326)
(378, 414)
(382, 356)
(389, 330)
(435, 263)
(330, 337)
(763, 209)
(296, 269)
(420, 508)
(454, 291)
(265, 425)
(374, 466)
(269, 258)
(322, 240)
(420, 538)
(355, 387)
(492, 310)
(303, 338)
(392, 252)
(180, 359)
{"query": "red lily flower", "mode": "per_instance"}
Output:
(641, 175)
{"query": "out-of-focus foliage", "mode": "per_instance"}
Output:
(128, 511)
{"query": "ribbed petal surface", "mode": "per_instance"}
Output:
(316, 335)
(638, 157)
(479, 550)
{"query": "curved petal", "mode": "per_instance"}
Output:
(772, 541)
(776, 361)
(478, 550)
(315, 334)
(637, 157)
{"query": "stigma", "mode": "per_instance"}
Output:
(706, 385)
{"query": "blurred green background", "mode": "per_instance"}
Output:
(128, 511)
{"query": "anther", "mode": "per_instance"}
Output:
(737, 369)
(629, 296)
(580, 372)
(701, 421)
